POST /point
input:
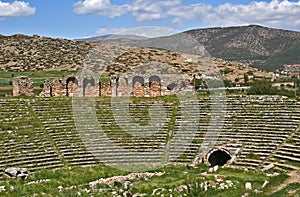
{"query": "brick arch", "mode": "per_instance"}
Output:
(138, 83)
(88, 87)
(72, 86)
(155, 85)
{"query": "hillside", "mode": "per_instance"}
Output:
(261, 47)
(31, 53)
(21, 53)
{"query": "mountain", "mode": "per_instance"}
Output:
(120, 38)
(258, 46)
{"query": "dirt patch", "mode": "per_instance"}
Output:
(294, 178)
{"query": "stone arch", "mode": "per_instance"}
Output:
(155, 85)
(218, 156)
(88, 87)
(72, 86)
(138, 83)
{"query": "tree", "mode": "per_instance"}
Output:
(246, 78)
(262, 88)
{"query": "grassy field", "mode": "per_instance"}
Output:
(176, 181)
(38, 77)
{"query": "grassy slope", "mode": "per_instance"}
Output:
(174, 176)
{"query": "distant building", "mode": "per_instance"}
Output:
(292, 70)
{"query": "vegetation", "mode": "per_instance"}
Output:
(176, 181)
(262, 88)
(278, 47)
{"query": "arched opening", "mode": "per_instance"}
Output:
(155, 85)
(219, 157)
(138, 86)
(72, 85)
(88, 87)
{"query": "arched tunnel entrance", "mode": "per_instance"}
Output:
(218, 157)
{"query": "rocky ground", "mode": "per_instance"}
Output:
(31, 53)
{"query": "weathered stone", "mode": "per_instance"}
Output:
(138, 90)
(123, 179)
(22, 86)
(219, 178)
(268, 167)
(265, 184)
(215, 168)
(105, 89)
(248, 186)
(57, 88)
(16, 173)
(46, 92)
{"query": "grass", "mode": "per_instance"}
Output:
(290, 190)
(37, 77)
(77, 179)
(36, 74)
(65, 177)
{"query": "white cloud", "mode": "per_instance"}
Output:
(15, 9)
(148, 31)
(276, 13)
(100, 7)
(190, 12)
(103, 30)
(281, 14)
(141, 9)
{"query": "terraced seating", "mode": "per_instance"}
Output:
(122, 122)
(260, 124)
(289, 152)
(41, 132)
(56, 116)
(23, 141)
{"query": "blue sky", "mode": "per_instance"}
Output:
(83, 18)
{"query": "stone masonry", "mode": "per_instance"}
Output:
(22, 86)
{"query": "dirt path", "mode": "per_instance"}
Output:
(5, 88)
(10, 88)
(294, 178)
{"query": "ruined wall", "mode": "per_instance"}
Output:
(137, 86)
(155, 89)
(57, 88)
(47, 89)
(22, 86)
(105, 89)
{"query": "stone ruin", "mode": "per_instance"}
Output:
(217, 156)
(22, 86)
(136, 86)
(12, 172)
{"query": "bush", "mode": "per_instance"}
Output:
(262, 88)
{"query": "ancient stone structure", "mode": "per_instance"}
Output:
(22, 86)
(47, 88)
(136, 86)
(72, 86)
(217, 156)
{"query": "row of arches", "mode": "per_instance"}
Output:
(137, 86)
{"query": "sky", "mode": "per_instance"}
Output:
(85, 18)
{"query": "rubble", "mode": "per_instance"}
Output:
(16, 173)
(123, 179)
(248, 186)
